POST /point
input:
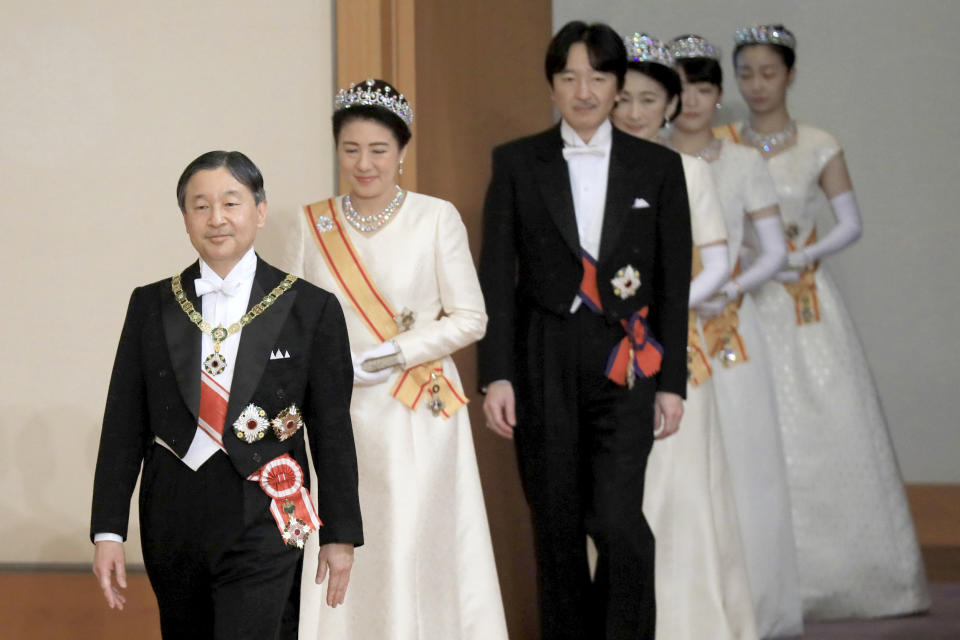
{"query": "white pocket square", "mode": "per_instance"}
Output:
(279, 355)
(640, 203)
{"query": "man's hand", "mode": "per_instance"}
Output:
(338, 558)
(667, 411)
(499, 407)
(109, 559)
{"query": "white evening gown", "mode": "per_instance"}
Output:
(700, 574)
(426, 570)
(856, 548)
(748, 418)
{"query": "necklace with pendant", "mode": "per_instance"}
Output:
(769, 141)
(215, 363)
(366, 224)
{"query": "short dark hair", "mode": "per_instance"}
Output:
(702, 70)
(604, 47)
(386, 117)
(240, 167)
(667, 77)
(788, 55)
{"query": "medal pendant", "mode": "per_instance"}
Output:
(214, 364)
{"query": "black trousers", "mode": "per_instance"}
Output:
(214, 555)
(582, 444)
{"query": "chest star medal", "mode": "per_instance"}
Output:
(626, 282)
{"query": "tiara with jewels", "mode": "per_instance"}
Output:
(644, 48)
(367, 95)
(693, 46)
(765, 34)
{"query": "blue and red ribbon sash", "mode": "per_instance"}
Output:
(637, 355)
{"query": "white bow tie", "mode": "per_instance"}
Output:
(225, 287)
(573, 152)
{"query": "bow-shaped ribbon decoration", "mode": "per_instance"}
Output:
(573, 152)
(637, 355)
(227, 287)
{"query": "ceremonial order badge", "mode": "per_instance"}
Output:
(287, 423)
(405, 320)
(252, 424)
(626, 282)
(215, 363)
(296, 531)
(324, 224)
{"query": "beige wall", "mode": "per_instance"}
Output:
(103, 103)
(884, 77)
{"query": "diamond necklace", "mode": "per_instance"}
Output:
(366, 224)
(767, 141)
(215, 363)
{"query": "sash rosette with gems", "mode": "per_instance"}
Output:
(282, 480)
(721, 332)
(416, 383)
(637, 355)
(722, 337)
(804, 290)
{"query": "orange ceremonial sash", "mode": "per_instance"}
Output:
(726, 131)
(698, 366)
(721, 332)
(425, 380)
(804, 291)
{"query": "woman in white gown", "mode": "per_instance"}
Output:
(856, 548)
(400, 265)
(742, 380)
(700, 576)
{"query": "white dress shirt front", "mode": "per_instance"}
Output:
(589, 169)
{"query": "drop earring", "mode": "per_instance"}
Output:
(401, 167)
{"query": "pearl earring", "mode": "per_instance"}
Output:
(401, 167)
(719, 106)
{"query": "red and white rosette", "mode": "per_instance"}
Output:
(291, 506)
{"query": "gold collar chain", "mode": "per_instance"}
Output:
(216, 362)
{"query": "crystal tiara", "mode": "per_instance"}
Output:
(366, 94)
(644, 48)
(765, 34)
(693, 46)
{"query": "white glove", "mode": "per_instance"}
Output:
(368, 378)
(770, 259)
(712, 306)
(716, 270)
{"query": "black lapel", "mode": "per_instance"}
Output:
(618, 201)
(183, 338)
(554, 180)
(258, 338)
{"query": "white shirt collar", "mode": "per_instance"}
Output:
(243, 271)
(602, 138)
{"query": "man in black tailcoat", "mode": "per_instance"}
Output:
(585, 271)
(219, 372)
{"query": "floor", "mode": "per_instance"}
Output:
(52, 605)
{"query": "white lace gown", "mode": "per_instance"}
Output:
(426, 570)
(701, 581)
(747, 410)
(856, 547)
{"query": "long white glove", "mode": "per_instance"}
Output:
(763, 266)
(848, 230)
(716, 270)
(367, 378)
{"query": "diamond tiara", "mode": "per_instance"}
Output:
(765, 34)
(644, 48)
(693, 46)
(367, 94)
